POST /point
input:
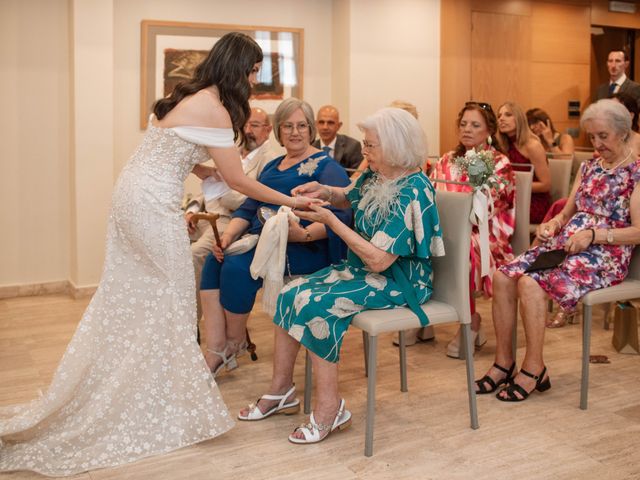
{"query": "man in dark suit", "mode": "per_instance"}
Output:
(343, 149)
(617, 64)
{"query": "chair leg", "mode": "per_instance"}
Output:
(365, 344)
(466, 343)
(308, 383)
(371, 396)
(607, 309)
(586, 347)
(402, 348)
(251, 347)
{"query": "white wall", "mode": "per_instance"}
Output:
(395, 54)
(34, 140)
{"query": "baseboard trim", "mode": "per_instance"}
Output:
(46, 288)
(32, 289)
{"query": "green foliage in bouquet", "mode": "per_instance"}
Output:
(479, 166)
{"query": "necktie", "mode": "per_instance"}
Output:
(612, 88)
(327, 150)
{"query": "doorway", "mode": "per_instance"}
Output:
(605, 39)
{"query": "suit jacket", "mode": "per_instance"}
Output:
(231, 200)
(348, 151)
(629, 87)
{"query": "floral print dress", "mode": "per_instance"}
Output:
(602, 201)
(317, 309)
(501, 222)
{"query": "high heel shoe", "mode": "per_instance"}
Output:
(477, 339)
(228, 360)
(561, 318)
(513, 388)
(493, 385)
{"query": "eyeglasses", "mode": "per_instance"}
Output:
(368, 145)
(482, 105)
(300, 127)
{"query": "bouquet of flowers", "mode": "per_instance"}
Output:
(479, 166)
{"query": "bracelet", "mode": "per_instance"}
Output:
(307, 233)
(295, 203)
(593, 235)
(330, 197)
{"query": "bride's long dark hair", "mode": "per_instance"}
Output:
(227, 66)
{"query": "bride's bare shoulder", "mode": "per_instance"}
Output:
(202, 109)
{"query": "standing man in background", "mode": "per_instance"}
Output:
(617, 64)
(343, 149)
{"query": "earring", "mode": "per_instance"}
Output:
(489, 140)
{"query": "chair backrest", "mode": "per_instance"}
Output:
(521, 239)
(578, 158)
(560, 170)
(451, 272)
(634, 266)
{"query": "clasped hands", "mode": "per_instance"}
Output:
(318, 195)
(576, 243)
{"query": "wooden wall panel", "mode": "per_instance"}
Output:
(600, 15)
(455, 67)
(513, 7)
(555, 84)
(560, 33)
(500, 58)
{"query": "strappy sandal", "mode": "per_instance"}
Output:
(313, 431)
(513, 388)
(561, 318)
(481, 384)
(282, 407)
(229, 361)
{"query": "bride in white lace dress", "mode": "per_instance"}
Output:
(133, 381)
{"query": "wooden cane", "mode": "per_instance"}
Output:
(212, 218)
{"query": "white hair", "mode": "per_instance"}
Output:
(614, 113)
(402, 140)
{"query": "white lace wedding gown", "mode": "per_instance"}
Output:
(132, 382)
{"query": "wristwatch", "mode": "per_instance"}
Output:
(609, 236)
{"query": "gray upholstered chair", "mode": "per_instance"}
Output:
(560, 169)
(449, 303)
(521, 238)
(627, 290)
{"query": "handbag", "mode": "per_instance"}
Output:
(625, 327)
(243, 244)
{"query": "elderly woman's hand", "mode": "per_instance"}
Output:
(218, 251)
(316, 213)
(546, 231)
(579, 241)
(312, 190)
(297, 233)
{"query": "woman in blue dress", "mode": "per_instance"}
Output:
(396, 233)
(228, 290)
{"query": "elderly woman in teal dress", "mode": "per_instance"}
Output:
(396, 232)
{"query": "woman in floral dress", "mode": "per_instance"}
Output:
(395, 235)
(597, 228)
(477, 125)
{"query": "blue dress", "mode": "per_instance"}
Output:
(232, 275)
(317, 309)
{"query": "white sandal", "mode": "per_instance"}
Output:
(282, 407)
(312, 431)
(230, 362)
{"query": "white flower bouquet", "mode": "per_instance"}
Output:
(479, 166)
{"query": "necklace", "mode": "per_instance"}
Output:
(617, 164)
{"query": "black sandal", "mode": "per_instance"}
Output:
(482, 389)
(513, 387)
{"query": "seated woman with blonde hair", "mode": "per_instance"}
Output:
(597, 229)
(396, 232)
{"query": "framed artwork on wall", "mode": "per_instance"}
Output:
(170, 52)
